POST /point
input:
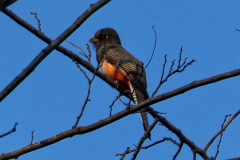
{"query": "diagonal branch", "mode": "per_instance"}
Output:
(143, 139)
(221, 131)
(220, 139)
(155, 44)
(5, 3)
(90, 81)
(45, 52)
(128, 151)
(178, 151)
(140, 106)
(38, 20)
(178, 133)
(11, 131)
(181, 66)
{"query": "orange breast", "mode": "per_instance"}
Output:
(112, 72)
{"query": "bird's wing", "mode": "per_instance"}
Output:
(128, 65)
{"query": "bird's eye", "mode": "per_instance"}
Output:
(104, 36)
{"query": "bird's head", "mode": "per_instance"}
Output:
(105, 36)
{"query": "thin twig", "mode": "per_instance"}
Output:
(115, 100)
(145, 136)
(155, 44)
(180, 68)
(151, 145)
(126, 104)
(163, 70)
(11, 131)
(82, 51)
(238, 30)
(124, 154)
(89, 53)
(220, 139)
(88, 93)
(32, 137)
(194, 155)
(178, 151)
(221, 131)
(38, 20)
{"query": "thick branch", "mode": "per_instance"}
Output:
(63, 50)
(45, 52)
(5, 3)
(146, 103)
(179, 133)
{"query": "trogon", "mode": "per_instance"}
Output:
(122, 67)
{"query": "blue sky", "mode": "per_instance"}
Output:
(50, 99)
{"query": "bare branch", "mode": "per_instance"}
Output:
(90, 53)
(178, 133)
(65, 52)
(178, 151)
(238, 30)
(221, 131)
(180, 68)
(155, 44)
(82, 51)
(124, 154)
(88, 93)
(115, 100)
(5, 3)
(220, 139)
(145, 136)
(11, 131)
(45, 52)
(140, 106)
(151, 145)
(32, 137)
(38, 20)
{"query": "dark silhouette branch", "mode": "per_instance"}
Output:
(32, 137)
(38, 20)
(63, 50)
(82, 51)
(45, 52)
(154, 47)
(180, 68)
(9, 132)
(145, 136)
(114, 101)
(124, 154)
(178, 151)
(178, 133)
(149, 146)
(140, 106)
(5, 3)
(88, 93)
(221, 131)
(220, 139)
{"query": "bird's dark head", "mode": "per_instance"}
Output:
(105, 36)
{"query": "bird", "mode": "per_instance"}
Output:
(121, 67)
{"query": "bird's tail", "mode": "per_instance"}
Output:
(138, 97)
(145, 122)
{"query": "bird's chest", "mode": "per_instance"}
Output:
(113, 73)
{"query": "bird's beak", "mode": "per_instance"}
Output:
(93, 40)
